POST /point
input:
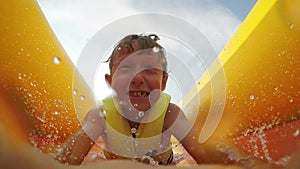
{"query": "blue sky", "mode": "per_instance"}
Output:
(240, 8)
(76, 22)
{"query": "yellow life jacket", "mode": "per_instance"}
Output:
(146, 146)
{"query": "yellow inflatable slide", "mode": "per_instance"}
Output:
(42, 96)
(38, 76)
(261, 67)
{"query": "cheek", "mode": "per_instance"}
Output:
(120, 82)
(154, 82)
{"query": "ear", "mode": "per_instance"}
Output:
(108, 79)
(164, 82)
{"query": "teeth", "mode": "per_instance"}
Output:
(138, 94)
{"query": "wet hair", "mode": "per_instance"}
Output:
(144, 42)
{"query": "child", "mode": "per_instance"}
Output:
(138, 121)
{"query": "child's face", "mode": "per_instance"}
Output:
(137, 79)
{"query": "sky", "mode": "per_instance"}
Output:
(192, 31)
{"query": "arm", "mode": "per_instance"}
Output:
(78, 145)
(187, 133)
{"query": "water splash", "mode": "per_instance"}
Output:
(152, 162)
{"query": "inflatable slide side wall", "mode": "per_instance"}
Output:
(260, 67)
(38, 77)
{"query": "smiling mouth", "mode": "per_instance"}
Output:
(138, 94)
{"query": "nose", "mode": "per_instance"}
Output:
(138, 79)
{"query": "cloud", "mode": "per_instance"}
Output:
(214, 21)
(76, 21)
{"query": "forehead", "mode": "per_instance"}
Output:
(137, 57)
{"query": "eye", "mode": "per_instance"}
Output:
(124, 67)
(150, 70)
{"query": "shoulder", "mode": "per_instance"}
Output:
(173, 109)
(173, 112)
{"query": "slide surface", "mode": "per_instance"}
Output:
(252, 89)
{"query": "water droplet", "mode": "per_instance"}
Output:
(296, 133)
(41, 119)
(32, 84)
(251, 96)
(155, 49)
(55, 113)
(141, 114)
(81, 97)
(102, 113)
(161, 146)
(291, 100)
(74, 92)
(20, 76)
(56, 60)
(292, 26)
(119, 48)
